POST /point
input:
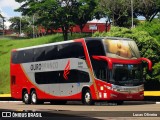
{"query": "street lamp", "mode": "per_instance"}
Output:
(20, 24)
(33, 25)
(3, 26)
(132, 12)
(20, 27)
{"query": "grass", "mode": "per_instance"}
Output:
(6, 45)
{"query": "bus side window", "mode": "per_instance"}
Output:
(39, 54)
(51, 53)
(14, 57)
(47, 77)
(75, 76)
(28, 56)
(100, 69)
(71, 50)
(20, 57)
(23, 56)
(95, 47)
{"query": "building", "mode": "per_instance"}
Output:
(90, 27)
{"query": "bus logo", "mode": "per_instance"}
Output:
(66, 70)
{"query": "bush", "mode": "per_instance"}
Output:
(153, 28)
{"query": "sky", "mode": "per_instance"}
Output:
(7, 9)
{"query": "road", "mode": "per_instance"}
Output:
(129, 110)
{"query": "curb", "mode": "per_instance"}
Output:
(5, 95)
(151, 93)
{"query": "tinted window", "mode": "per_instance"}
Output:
(22, 56)
(51, 53)
(100, 69)
(95, 47)
(14, 57)
(39, 54)
(28, 56)
(47, 77)
(71, 50)
(74, 76)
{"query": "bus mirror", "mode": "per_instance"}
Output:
(108, 60)
(149, 63)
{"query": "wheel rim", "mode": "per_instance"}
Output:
(87, 97)
(26, 97)
(34, 98)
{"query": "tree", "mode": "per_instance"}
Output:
(59, 13)
(147, 8)
(117, 11)
(85, 12)
(15, 24)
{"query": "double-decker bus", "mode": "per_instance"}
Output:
(87, 69)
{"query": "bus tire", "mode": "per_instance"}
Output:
(34, 99)
(26, 98)
(87, 98)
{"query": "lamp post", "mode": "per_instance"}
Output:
(33, 25)
(1, 17)
(20, 24)
(132, 12)
(3, 25)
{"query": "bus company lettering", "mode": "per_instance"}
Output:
(43, 66)
(80, 64)
(35, 66)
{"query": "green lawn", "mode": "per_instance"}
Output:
(6, 45)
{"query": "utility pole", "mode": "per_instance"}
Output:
(33, 26)
(20, 31)
(1, 17)
(132, 12)
(33, 22)
(20, 24)
(3, 26)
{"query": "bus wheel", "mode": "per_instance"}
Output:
(34, 99)
(26, 98)
(87, 98)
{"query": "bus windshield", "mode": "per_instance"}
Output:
(126, 75)
(121, 48)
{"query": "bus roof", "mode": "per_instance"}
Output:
(112, 38)
(70, 41)
(44, 45)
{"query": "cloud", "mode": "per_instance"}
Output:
(9, 3)
(7, 9)
(7, 24)
(1, 12)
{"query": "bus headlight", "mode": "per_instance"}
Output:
(109, 87)
(141, 88)
(101, 88)
(114, 88)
